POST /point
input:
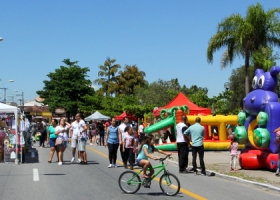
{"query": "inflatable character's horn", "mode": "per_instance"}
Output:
(184, 109)
(172, 111)
(274, 71)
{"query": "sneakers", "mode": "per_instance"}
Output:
(277, 172)
(79, 160)
(115, 166)
(110, 166)
(60, 163)
(72, 160)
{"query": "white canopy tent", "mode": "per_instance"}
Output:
(97, 116)
(4, 108)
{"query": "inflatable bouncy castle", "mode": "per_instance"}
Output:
(258, 121)
(172, 116)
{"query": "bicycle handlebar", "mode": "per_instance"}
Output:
(163, 159)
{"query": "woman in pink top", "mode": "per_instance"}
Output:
(233, 153)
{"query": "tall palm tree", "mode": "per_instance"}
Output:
(107, 76)
(242, 36)
(129, 79)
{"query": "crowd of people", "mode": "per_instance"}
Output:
(134, 146)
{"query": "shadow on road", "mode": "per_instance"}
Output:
(156, 194)
(75, 163)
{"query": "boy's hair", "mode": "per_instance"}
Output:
(147, 139)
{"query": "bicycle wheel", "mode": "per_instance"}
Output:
(169, 184)
(129, 182)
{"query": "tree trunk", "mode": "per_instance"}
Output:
(247, 73)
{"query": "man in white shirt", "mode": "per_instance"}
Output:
(182, 145)
(121, 128)
(78, 132)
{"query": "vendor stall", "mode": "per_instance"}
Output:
(9, 148)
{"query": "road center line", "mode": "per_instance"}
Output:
(35, 175)
(182, 190)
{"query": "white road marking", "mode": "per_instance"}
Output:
(35, 175)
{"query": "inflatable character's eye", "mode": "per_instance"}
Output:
(254, 82)
(261, 81)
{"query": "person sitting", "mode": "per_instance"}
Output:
(168, 134)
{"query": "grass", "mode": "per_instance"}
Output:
(239, 174)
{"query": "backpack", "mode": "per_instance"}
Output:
(278, 136)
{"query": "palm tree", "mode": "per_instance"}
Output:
(264, 58)
(107, 76)
(242, 36)
(129, 79)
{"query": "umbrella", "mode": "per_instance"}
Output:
(97, 116)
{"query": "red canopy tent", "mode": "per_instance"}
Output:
(181, 100)
(124, 114)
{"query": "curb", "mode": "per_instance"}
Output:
(267, 186)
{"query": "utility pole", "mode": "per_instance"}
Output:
(4, 93)
(21, 100)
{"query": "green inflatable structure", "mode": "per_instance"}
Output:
(169, 121)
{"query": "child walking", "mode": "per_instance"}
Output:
(129, 147)
(145, 151)
(233, 153)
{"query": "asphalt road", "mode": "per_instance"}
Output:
(95, 181)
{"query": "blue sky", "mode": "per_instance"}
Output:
(165, 38)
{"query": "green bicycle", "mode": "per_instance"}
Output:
(130, 182)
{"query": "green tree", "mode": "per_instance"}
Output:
(200, 98)
(158, 93)
(264, 58)
(245, 35)
(66, 87)
(237, 86)
(129, 79)
(193, 89)
(221, 104)
(107, 76)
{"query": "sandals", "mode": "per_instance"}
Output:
(145, 176)
(49, 161)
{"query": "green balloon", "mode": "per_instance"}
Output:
(261, 137)
(241, 118)
(240, 134)
(262, 119)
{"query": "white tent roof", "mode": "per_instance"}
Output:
(96, 116)
(8, 109)
(4, 108)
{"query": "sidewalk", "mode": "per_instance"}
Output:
(219, 161)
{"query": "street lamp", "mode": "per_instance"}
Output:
(227, 86)
(6, 89)
(1, 39)
(11, 81)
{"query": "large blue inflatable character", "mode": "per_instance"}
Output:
(257, 122)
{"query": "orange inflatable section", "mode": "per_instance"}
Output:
(256, 159)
